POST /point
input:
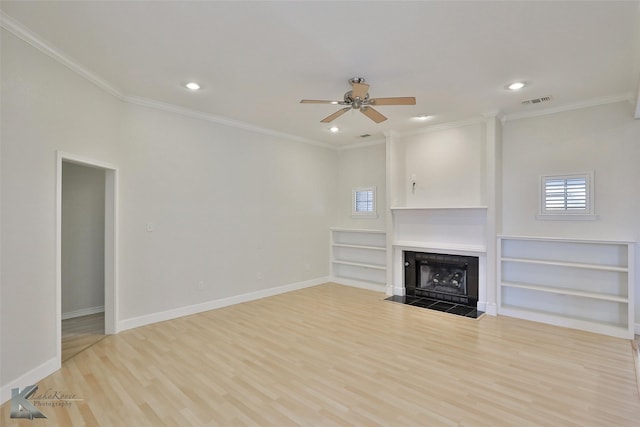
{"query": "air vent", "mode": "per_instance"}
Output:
(365, 135)
(537, 100)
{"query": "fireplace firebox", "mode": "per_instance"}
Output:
(442, 277)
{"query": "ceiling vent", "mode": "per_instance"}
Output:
(537, 100)
(365, 135)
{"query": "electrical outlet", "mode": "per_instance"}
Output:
(200, 285)
(259, 276)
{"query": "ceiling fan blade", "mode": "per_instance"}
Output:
(406, 100)
(318, 101)
(335, 115)
(373, 114)
(359, 90)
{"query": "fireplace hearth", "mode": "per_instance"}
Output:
(441, 282)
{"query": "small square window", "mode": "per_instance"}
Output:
(364, 202)
(566, 196)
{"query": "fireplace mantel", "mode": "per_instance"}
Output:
(443, 197)
(441, 247)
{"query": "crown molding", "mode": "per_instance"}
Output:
(172, 108)
(594, 102)
(26, 35)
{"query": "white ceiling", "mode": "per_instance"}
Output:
(256, 60)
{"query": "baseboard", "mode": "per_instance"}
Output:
(359, 284)
(399, 290)
(82, 312)
(29, 378)
(175, 313)
(491, 308)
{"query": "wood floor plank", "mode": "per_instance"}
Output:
(79, 333)
(333, 355)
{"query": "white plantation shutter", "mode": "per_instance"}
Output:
(567, 195)
(364, 201)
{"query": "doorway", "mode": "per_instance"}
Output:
(86, 267)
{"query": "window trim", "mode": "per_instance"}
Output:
(359, 214)
(587, 214)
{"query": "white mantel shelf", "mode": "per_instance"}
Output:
(439, 247)
(434, 208)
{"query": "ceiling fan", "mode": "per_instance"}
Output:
(358, 99)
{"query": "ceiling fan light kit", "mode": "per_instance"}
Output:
(358, 99)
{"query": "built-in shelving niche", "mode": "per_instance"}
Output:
(358, 257)
(581, 284)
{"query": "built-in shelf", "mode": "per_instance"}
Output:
(358, 257)
(564, 291)
(577, 283)
(371, 248)
(360, 264)
(358, 231)
(566, 264)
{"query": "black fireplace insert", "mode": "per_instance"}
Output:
(442, 277)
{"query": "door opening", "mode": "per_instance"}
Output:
(85, 258)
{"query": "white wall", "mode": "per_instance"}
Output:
(228, 206)
(604, 139)
(233, 209)
(361, 167)
(45, 107)
(83, 192)
(448, 164)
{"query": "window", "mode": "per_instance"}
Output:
(566, 197)
(364, 202)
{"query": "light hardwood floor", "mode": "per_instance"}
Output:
(636, 356)
(338, 356)
(79, 333)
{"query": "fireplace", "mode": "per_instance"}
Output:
(441, 277)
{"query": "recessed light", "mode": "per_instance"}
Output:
(192, 86)
(334, 129)
(516, 86)
(423, 117)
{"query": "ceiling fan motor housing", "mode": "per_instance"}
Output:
(349, 100)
